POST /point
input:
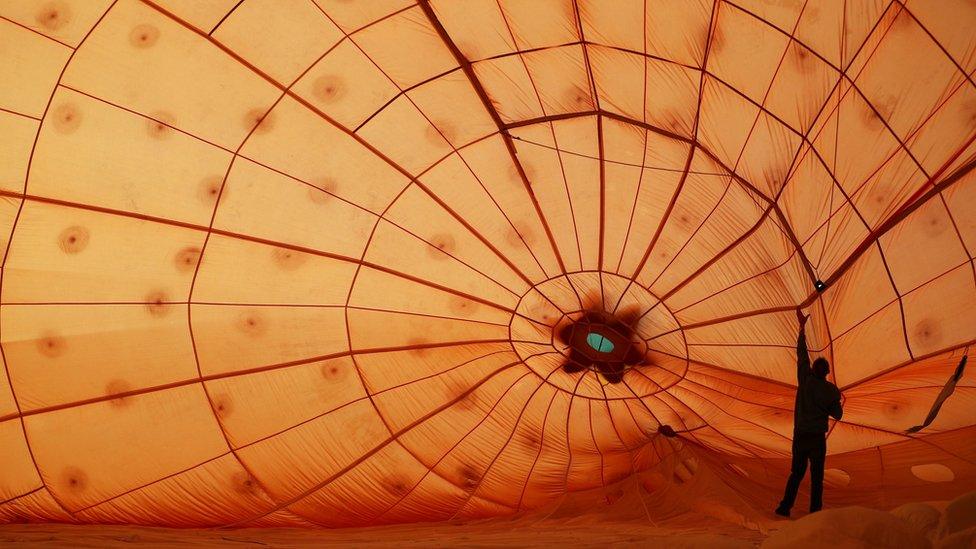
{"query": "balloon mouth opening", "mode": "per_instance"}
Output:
(600, 342)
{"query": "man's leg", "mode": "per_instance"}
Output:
(818, 455)
(797, 470)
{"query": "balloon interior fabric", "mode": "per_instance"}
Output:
(330, 263)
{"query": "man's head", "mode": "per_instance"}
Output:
(821, 367)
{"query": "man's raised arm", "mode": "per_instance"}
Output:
(802, 355)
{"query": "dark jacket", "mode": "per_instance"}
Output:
(816, 398)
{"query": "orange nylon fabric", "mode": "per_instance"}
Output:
(295, 263)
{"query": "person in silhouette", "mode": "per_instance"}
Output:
(816, 399)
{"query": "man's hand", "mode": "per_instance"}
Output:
(801, 318)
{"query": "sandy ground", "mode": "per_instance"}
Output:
(494, 534)
(911, 526)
